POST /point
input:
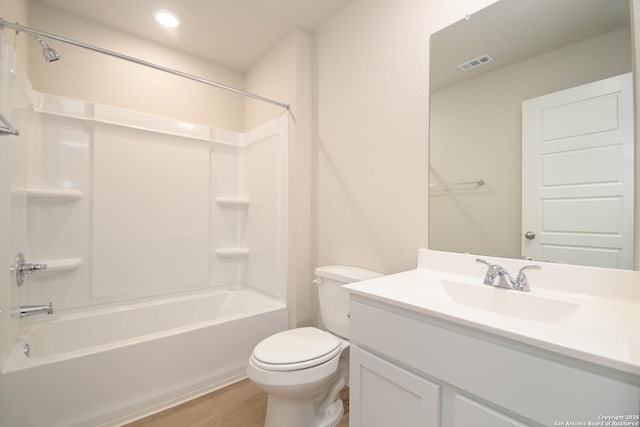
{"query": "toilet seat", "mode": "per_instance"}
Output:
(296, 349)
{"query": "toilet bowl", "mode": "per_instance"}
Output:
(303, 370)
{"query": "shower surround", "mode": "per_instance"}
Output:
(166, 250)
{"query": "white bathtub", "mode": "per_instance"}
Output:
(112, 365)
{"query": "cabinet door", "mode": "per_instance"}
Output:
(468, 413)
(383, 394)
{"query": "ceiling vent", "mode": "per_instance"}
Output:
(475, 62)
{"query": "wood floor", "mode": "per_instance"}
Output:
(238, 405)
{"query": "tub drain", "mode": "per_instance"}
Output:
(27, 350)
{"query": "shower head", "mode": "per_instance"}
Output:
(48, 52)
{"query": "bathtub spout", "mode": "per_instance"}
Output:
(30, 310)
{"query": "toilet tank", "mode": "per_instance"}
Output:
(334, 301)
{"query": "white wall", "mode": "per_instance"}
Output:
(90, 76)
(371, 112)
(487, 220)
(284, 74)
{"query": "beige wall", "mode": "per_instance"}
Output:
(284, 74)
(370, 138)
(635, 42)
(16, 11)
(488, 220)
(99, 78)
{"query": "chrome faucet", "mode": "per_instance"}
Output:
(22, 268)
(495, 271)
(30, 310)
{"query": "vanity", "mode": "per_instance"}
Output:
(435, 346)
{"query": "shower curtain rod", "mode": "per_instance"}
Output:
(4, 23)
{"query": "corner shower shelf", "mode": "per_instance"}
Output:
(232, 203)
(58, 265)
(232, 253)
(49, 193)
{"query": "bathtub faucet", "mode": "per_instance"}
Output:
(30, 310)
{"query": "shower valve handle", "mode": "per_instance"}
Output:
(23, 268)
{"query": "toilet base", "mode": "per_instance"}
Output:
(301, 413)
(331, 416)
(324, 409)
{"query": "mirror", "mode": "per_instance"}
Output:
(513, 51)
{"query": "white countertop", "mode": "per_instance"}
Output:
(599, 329)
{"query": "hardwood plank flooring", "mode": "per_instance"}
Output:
(240, 404)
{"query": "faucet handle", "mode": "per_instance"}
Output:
(22, 268)
(492, 271)
(487, 263)
(528, 267)
(522, 280)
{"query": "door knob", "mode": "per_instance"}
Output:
(530, 235)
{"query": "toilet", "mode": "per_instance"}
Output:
(303, 370)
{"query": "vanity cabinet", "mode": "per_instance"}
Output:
(414, 369)
(388, 395)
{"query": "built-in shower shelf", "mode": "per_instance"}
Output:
(232, 203)
(232, 253)
(56, 266)
(60, 194)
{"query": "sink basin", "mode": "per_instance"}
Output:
(507, 302)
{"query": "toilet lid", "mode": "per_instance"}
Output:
(298, 348)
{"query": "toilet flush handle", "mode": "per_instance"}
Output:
(317, 281)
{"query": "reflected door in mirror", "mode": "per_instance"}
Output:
(577, 175)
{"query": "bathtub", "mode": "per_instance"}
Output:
(113, 365)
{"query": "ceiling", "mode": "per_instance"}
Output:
(234, 33)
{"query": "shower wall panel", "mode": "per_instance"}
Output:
(264, 166)
(58, 228)
(13, 206)
(123, 205)
(227, 218)
(150, 216)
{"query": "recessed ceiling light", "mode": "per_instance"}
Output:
(167, 18)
